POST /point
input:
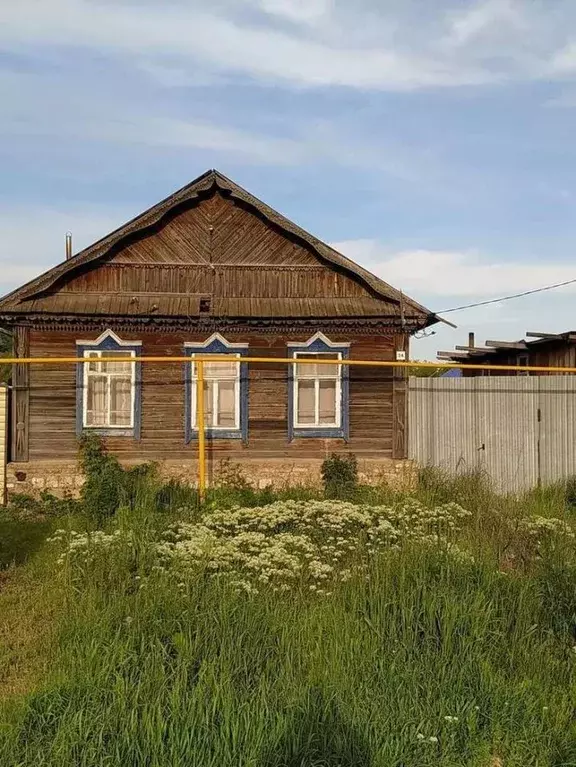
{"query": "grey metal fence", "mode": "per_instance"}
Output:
(519, 430)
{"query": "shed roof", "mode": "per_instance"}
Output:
(493, 348)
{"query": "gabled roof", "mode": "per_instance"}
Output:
(12, 303)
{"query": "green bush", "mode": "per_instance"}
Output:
(340, 476)
(174, 495)
(108, 486)
(102, 490)
(22, 505)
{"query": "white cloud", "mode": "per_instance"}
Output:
(564, 62)
(32, 105)
(299, 11)
(483, 20)
(33, 240)
(362, 50)
(369, 45)
(103, 117)
(434, 273)
(445, 279)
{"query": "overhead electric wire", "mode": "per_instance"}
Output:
(507, 298)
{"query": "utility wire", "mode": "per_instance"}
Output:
(507, 298)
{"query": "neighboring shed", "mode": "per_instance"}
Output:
(537, 350)
(210, 269)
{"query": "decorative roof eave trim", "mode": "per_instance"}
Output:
(340, 325)
(190, 192)
(145, 319)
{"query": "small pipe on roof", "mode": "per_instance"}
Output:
(471, 340)
(68, 246)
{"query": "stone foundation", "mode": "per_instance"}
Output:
(64, 478)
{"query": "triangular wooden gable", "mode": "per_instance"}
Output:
(212, 225)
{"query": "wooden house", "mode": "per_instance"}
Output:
(537, 350)
(210, 269)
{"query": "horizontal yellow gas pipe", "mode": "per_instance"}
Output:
(288, 360)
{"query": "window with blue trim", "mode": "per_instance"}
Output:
(318, 393)
(108, 393)
(225, 390)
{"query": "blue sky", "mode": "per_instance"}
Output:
(432, 141)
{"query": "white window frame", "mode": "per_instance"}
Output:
(215, 390)
(87, 353)
(317, 378)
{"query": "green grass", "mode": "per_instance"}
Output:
(201, 676)
(20, 538)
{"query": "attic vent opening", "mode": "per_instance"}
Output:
(205, 304)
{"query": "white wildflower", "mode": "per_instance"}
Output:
(289, 542)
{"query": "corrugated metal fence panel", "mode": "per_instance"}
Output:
(442, 418)
(508, 431)
(492, 424)
(557, 427)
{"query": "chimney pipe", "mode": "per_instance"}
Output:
(68, 245)
(471, 340)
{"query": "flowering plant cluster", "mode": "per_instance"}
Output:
(291, 542)
(542, 529)
(82, 550)
(536, 534)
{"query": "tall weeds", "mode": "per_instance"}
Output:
(421, 660)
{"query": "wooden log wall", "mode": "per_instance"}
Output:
(52, 402)
(20, 396)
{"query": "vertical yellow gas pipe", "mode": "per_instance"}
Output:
(200, 422)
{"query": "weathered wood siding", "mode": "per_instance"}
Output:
(215, 230)
(373, 409)
(223, 280)
(221, 248)
(21, 396)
